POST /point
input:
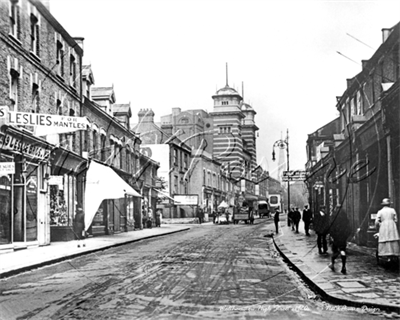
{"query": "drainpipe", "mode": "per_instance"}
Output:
(389, 165)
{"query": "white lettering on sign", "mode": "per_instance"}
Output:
(16, 144)
(7, 168)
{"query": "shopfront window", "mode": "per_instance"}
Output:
(62, 199)
(5, 209)
(58, 206)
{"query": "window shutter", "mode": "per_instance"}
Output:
(62, 62)
(18, 21)
(37, 40)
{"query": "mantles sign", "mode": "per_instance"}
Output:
(8, 142)
(46, 123)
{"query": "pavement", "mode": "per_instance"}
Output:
(15, 262)
(366, 284)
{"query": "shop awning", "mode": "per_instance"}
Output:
(223, 204)
(103, 183)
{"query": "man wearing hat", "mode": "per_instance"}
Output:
(276, 220)
(321, 227)
(79, 224)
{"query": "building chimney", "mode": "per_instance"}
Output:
(349, 82)
(79, 41)
(364, 63)
(146, 115)
(385, 34)
(176, 111)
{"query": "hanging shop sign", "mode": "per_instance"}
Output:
(12, 143)
(294, 175)
(187, 199)
(56, 180)
(46, 123)
(7, 168)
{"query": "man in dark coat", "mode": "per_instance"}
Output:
(296, 219)
(200, 215)
(290, 218)
(321, 227)
(339, 231)
(276, 220)
(79, 224)
(307, 218)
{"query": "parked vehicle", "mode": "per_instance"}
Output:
(274, 201)
(243, 214)
(264, 209)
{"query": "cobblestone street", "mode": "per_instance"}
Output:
(209, 272)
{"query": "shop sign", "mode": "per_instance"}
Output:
(7, 168)
(16, 144)
(292, 175)
(187, 200)
(46, 120)
(56, 180)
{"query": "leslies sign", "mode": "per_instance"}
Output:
(9, 142)
(55, 123)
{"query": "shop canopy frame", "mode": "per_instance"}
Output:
(166, 195)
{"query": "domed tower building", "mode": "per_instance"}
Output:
(227, 122)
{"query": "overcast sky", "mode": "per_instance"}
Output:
(162, 54)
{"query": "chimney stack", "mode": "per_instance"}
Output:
(146, 115)
(79, 41)
(176, 111)
(385, 34)
(349, 82)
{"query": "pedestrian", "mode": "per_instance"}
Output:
(227, 215)
(200, 214)
(79, 224)
(158, 218)
(307, 218)
(386, 220)
(290, 218)
(149, 222)
(276, 220)
(296, 219)
(251, 215)
(321, 227)
(339, 231)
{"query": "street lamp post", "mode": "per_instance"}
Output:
(282, 144)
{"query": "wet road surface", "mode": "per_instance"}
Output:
(209, 272)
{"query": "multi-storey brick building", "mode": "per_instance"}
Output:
(40, 66)
(173, 155)
(227, 135)
(50, 136)
(358, 167)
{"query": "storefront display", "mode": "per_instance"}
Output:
(24, 194)
(5, 209)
